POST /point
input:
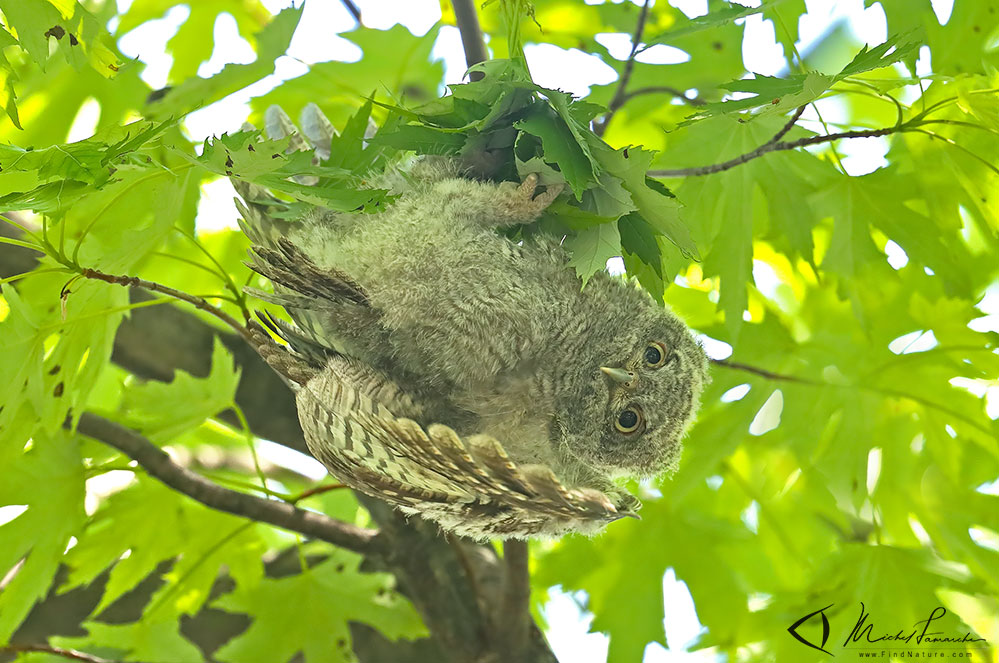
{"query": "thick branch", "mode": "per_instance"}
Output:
(471, 33)
(620, 95)
(155, 341)
(775, 145)
(159, 465)
(516, 597)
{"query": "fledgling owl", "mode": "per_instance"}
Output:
(463, 376)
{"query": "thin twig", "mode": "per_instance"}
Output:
(663, 89)
(516, 612)
(788, 125)
(197, 302)
(353, 10)
(472, 40)
(318, 490)
(620, 95)
(762, 372)
(774, 146)
(159, 465)
(55, 651)
(874, 389)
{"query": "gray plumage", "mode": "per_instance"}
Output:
(458, 374)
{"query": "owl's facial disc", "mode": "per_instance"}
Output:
(650, 397)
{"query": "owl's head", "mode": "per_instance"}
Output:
(640, 384)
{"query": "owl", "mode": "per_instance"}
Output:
(461, 375)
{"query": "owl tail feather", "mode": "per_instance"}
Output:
(290, 267)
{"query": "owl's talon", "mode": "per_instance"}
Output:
(528, 186)
(525, 206)
(548, 197)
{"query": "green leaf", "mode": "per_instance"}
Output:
(154, 523)
(592, 248)
(267, 163)
(47, 478)
(7, 79)
(661, 211)
(347, 149)
(308, 613)
(639, 238)
(163, 410)
(784, 16)
(409, 75)
(91, 161)
(420, 139)
(51, 361)
(82, 38)
(272, 42)
(726, 15)
(782, 94)
(561, 147)
(879, 56)
(144, 640)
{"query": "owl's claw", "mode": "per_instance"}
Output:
(544, 199)
(522, 205)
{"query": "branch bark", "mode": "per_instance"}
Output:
(197, 302)
(620, 95)
(762, 372)
(352, 9)
(472, 39)
(158, 464)
(663, 89)
(775, 144)
(448, 581)
(516, 597)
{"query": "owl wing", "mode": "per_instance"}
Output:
(364, 428)
(354, 423)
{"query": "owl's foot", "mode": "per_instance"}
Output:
(535, 205)
(519, 204)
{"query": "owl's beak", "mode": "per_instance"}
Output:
(617, 374)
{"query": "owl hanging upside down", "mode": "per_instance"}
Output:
(462, 376)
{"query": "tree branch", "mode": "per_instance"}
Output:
(352, 9)
(663, 89)
(776, 145)
(197, 302)
(763, 373)
(516, 597)
(153, 342)
(159, 465)
(788, 125)
(629, 64)
(471, 34)
(55, 651)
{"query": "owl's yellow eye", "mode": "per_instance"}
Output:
(657, 356)
(629, 421)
